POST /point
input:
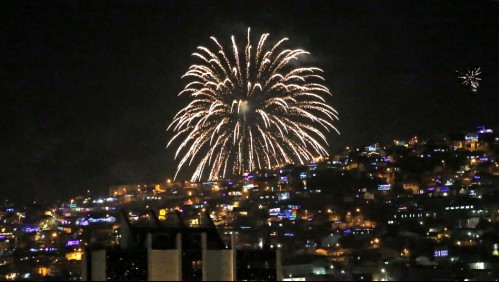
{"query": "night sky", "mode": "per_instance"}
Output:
(88, 88)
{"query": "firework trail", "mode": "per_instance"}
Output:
(471, 78)
(249, 109)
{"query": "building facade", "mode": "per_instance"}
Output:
(164, 252)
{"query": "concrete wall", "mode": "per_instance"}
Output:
(98, 266)
(84, 267)
(278, 261)
(219, 265)
(164, 265)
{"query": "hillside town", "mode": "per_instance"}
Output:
(413, 209)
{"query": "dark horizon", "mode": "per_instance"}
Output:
(89, 87)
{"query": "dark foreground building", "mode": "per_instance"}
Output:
(160, 251)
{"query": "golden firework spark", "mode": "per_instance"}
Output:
(251, 110)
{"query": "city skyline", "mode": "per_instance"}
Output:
(90, 87)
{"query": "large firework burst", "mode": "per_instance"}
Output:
(471, 78)
(251, 109)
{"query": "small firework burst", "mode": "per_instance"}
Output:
(471, 78)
